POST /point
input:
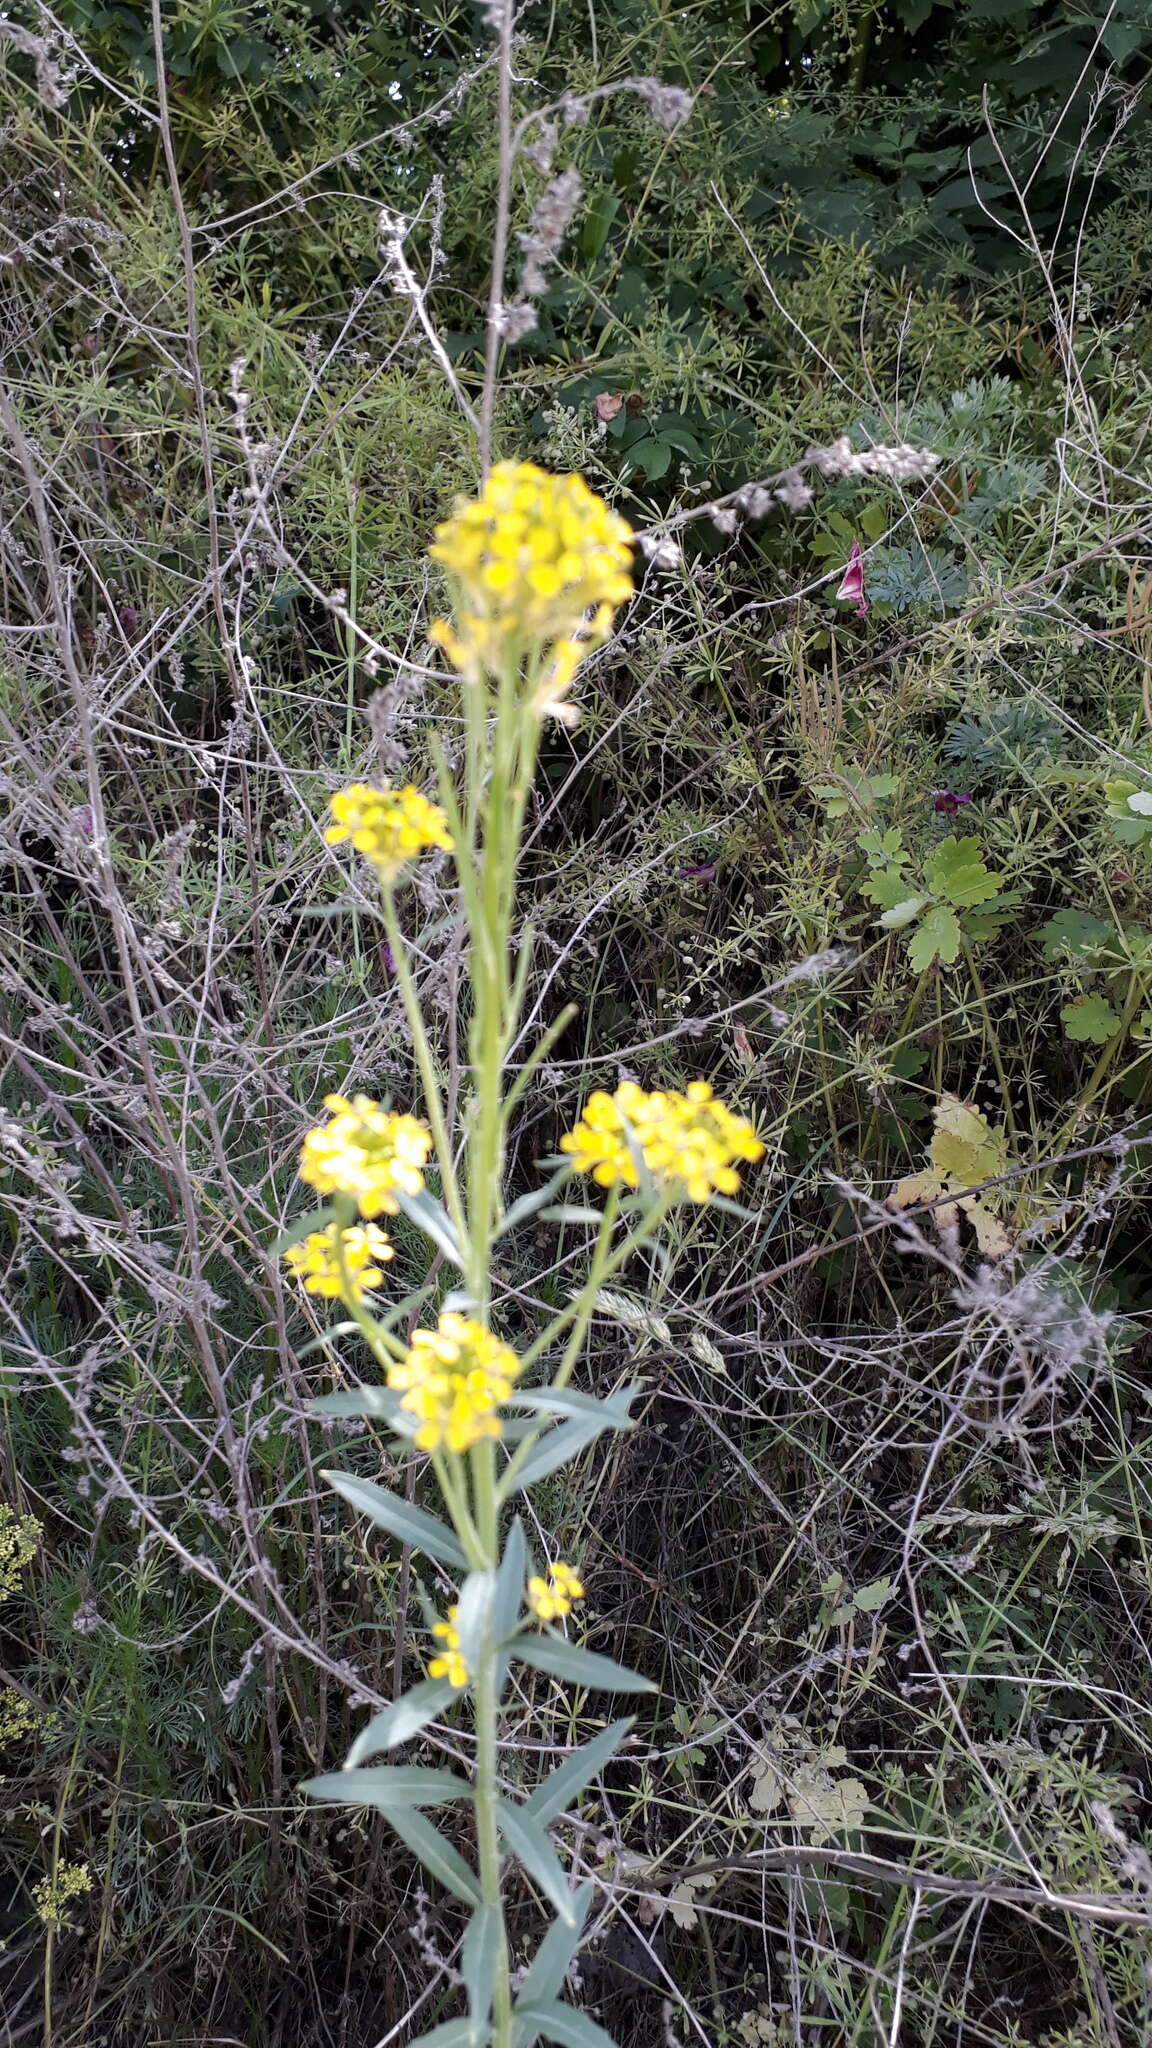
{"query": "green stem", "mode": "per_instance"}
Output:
(428, 1076)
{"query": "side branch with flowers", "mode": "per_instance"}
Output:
(539, 567)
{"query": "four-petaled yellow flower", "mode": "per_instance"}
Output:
(690, 1140)
(368, 1152)
(453, 1381)
(542, 567)
(315, 1260)
(551, 1599)
(388, 826)
(449, 1662)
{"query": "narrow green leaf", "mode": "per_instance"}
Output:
(610, 1414)
(474, 1615)
(566, 1660)
(572, 1212)
(433, 1219)
(479, 1956)
(530, 1205)
(557, 1791)
(302, 1227)
(563, 2024)
(556, 1449)
(380, 1402)
(389, 1785)
(531, 1847)
(399, 1722)
(509, 1584)
(436, 1853)
(549, 1966)
(453, 2034)
(400, 1517)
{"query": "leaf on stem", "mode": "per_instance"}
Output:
(479, 1959)
(433, 1219)
(549, 1966)
(531, 1847)
(401, 1721)
(400, 1517)
(563, 2024)
(557, 1791)
(389, 1786)
(436, 1853)
(509, 1584)
(585, 1667)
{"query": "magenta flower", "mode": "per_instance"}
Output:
(852, 582)
(948, 801)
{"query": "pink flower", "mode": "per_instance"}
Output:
(948, 801)
(852, 582)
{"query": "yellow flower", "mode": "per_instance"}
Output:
(689, 1140)
(315, 1261)
(541, 563)
(453, 1381)
(51, 1895)
(551, 1599)
(368, 1152)
(449, 1663)
(388, 826)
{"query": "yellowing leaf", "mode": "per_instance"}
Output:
(966, 1150)
(918, 1187)
(991, 1235)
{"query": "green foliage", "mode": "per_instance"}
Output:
(960, 897)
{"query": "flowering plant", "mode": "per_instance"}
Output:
(539, 567)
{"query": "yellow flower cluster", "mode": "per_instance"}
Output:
(19, 1541)
(52, 1894)
(551, 1599)
(689, 1140)
(388, 826)
(449, 1663)
(368, 1152)
(453, 1380)
(315, 1259)
(541, 563)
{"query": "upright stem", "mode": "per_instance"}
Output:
(499, 236)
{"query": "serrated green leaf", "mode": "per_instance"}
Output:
(400, 1517)
(563, 2024)
(557, 1791)
(1091, 1020)
(937, 937)
(531, 1847)
(1072, 931)
(435, 1852)
(903, 913)
(886, 888)
(402, 1720)
(585, 1667)
(388, 1786)
(955, 870)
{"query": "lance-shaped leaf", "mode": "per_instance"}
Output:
(550, 1964)
(400, 1517)
(479, 1959)
(612, 1413)
(388, 1786)
(474, 1616)
(401, 1721)
(436, 1853)
(531, 1847)
(509, 1584)
(563, 2024)
(433, 1219)
(565, 1660)
(453, 2034)
(530, 1205)
(379, 1402)
(557, 1791)
(302, 1227)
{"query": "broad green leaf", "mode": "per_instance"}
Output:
(479, 1957)
(955, 870)
(389, 1786)
(1073, 931)
(436, 1853)
(901, 914)
(509, 1584)
(531, 1847)
(400, 1517)
(1140, 801)
(937, 937)
(886, 888)
(433, 1219)
(550, 1964)
(557, 1791)
(1091, 1020)
(401, 1721)
(563, 2024)
(584, 1667)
